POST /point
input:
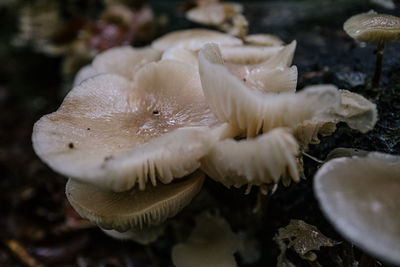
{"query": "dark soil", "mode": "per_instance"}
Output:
(37, 224)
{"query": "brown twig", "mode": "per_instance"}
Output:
(21, 254)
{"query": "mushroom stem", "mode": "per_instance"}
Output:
(378, 64)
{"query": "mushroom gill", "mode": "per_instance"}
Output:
(253, 111)
(114, 133)
(260, 161)
(356, 111)
(194, 39)
(133, 209)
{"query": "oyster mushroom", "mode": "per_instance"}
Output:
(263, 40)
(212, 243)
(374, 28)
(124, 61)
(253, 162)
(113, 133)
(194, 39)
(253, 111)
(130, 211)
(356, 111)
(359, 196)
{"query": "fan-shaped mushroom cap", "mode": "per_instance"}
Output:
(212, 243)
(263, 39)
(253, 111)
(248, 54)
(124, 61)
(272, 75)
(373, 27)
(359, 113)
(85, 73)
(214, 13)
(114, 133)
(194, 39)
(359, 195)
(253, 161)
(181, 54)
(132, 209)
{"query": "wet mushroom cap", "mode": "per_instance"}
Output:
(115, 134)
(373, 27)
(132, 209)
(359, 195)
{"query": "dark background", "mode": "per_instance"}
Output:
(36, 220)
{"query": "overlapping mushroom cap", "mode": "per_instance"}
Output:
(115, 133)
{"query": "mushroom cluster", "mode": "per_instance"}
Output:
(141, 126)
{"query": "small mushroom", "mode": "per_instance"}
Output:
(260, 161)
(359, 196)
(132, 210)
(212, 243)
(253, 111)
(154, 129)
(373, 27)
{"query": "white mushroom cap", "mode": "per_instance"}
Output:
(84, 73)
(359, 195)
(373, 27)
(181, 54)
(124, 61)
(132, 209)
(258, 161)
(272, 75)
(194, 39)
(253, 111)
(248, 54)
(212, 243)
(214, 14)
(114, 134)
(263, 39)
(359, 113)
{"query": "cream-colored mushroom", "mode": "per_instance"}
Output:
(194, 39)
(359, 196)
(132, 210)
(260, 161)
(263, 39)
(214, 14)
(359, 113)
(373, 27)
(271, 73)
(124, 61)
(252, 111)
(115, 134)
(212, 243)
